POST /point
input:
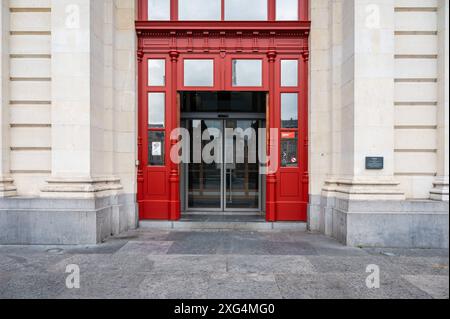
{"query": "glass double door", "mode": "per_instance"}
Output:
(223, 173)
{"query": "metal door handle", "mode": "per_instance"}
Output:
(231, 183)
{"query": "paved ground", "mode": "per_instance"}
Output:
(231, 264)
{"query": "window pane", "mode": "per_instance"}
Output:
(289, 110)
(156, 144)
(156, 110)
(289, 147)
(287, 10)
(199, 73)
(158, 10)
(241, 10)
(156, 72)
(224, 101)
(289, 73)
(199, 10)
(247, 73)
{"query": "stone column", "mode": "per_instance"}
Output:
(441, 184)
(367, 99)
(7, 187)
(78, 85)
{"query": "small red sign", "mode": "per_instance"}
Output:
(288, 135)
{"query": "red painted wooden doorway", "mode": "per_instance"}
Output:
(167, 49)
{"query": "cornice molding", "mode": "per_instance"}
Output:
(220, 28)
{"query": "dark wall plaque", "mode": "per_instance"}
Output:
(374, 162)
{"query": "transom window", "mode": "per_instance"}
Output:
(249, 10)
(198, 73)
(247, 73)
(223, 10)
(199, 10)
(287, 10)
(159, 10)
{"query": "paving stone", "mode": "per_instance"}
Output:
(311, 286)
(144, 248)
(422, 265)
(104, 264)
(174, 264)
(221, 264)
(287, 248)
(245, 247)
(269, 265)
(345, 286)
(243, 286)
(403, 252)
(352, 264)
(32, 286)
(202, 243)
(174, 286)
(117, 284)
(435, 286)
(106, 248)
(153, 235)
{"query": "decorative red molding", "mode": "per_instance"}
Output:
(270, 41)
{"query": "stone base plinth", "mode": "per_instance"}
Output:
(7, 188)
(440, 190)
(378, 223)
(39, 221)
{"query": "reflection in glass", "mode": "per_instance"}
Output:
(199, 10)
(204, 179)
(287, 10)
(247, 73)
(158, 10)
(223, 101)
(289, 73)
(242, 10)
(241, 165)
(156, 144)
(156, 110)
(156, 72)
(289, 110)
(289, 147)
(199, 73)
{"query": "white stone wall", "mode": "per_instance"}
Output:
(68, 92)
(30, 94)
(375, 79)
(416, 95)
(69, 96)
(125, 94)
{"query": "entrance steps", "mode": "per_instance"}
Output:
(223, 222)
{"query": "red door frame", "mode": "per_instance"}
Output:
(158, 193)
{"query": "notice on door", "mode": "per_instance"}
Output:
(156, 149)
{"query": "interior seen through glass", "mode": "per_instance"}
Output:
(232, 181)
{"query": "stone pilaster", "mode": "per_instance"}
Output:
(7, 187)
(79, 122)
(441, 184)
(366, 106)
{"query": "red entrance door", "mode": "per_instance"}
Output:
(172, 55)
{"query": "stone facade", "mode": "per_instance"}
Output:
(378, 87)
(68, 120)
(379, 78)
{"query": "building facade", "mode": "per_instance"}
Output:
(353, 97)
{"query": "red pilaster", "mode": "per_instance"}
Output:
(272, 123)
(175, 209)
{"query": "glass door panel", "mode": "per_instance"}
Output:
(205, 177)
(242, 179)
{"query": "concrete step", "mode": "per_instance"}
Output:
(224, 222)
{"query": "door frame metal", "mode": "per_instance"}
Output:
(223, 117)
